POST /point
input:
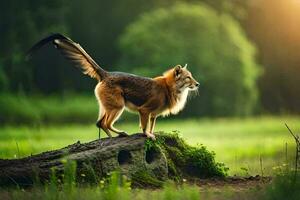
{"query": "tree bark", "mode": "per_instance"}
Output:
(126, 154)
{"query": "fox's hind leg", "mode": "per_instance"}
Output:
(102, 118)
(102, 124)
(112, 117)
(113, 103)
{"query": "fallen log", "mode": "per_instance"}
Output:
(126, 154)
(145, 162)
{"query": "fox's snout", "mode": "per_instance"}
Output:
(194, 85)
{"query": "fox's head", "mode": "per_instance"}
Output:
(184, 79)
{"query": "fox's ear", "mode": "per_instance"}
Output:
(177, 70)
(185, 66)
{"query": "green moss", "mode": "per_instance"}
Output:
(149, 144)
(144, 179)
(185, 160)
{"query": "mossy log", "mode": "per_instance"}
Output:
(99, 157)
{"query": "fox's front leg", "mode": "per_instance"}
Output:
(152, 123)
(144, 119)
(140, 123)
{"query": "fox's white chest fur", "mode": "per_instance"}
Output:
(180, 103)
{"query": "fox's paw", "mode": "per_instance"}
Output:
(98, 123)
(151, 136)
(123, 134)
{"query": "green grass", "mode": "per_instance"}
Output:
(113, 187)
(113, 191)
(238, 143)
(34, 110)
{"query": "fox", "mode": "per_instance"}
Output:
(149, 97)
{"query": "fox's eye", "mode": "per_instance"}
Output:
(187, 78)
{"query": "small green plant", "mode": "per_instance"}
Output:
(51, 190)
(245, 171)
(89, 176)
(69, 176)
(116, 186)
(150, 144)
(171, 191)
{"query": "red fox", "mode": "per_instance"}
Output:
(150, 97)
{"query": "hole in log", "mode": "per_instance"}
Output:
(151, 155)
(124, 157)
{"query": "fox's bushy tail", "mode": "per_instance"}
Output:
(73, 52)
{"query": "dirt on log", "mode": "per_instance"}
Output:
(99, 157)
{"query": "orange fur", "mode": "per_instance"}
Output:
(162, 95)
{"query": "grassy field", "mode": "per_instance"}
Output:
(239, 143)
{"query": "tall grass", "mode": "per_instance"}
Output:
(285, 185)
(115, 187)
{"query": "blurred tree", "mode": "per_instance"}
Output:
(214, 46)
(98, 24)
(101, 22)
(21, 23)
(275, 27)
(95, 24)
(3, 79)
(236, 8)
